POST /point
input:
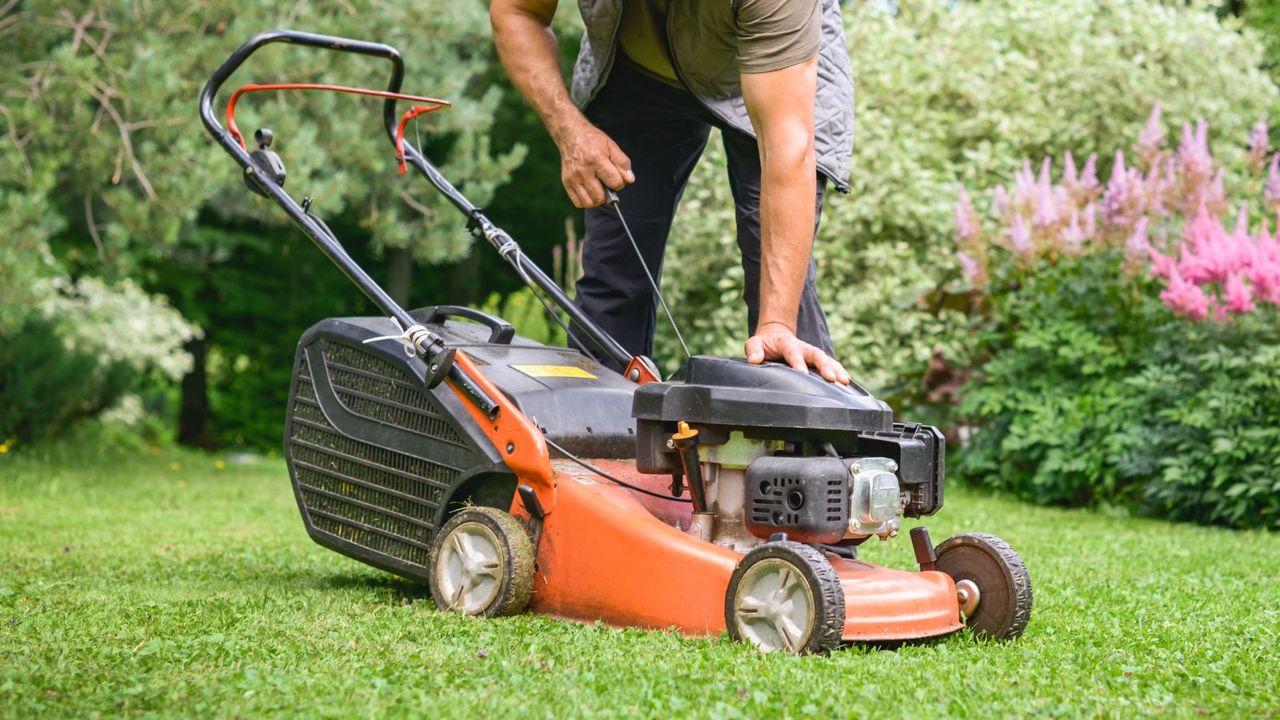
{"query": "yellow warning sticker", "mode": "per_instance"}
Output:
(565, 371)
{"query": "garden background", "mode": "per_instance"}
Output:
(1060, 246)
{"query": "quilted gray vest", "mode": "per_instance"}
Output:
(704, 52)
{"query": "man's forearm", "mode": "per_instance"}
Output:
(528, 51)
(787, 187)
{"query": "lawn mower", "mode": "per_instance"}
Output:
(509, 475)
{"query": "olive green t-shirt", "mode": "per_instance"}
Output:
(772, 34)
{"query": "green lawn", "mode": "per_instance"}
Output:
(169, 583)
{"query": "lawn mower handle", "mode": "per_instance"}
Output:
(439, 357)
(478, 223)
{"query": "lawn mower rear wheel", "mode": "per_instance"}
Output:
(785, 596)
(1003, 585)
(482, 564)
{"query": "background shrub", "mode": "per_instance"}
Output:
(1128, 359)
(960, 96)
(80, 351)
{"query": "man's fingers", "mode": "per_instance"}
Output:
(823, 362)
(610, 175)
(844, 374)
(755, 351)
(621, 162)
(575, 196)
(594, 192)
(793, 353)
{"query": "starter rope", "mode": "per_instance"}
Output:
(410, 338)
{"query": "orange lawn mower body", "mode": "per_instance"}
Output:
(510, 475)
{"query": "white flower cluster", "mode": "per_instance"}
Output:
(120, 322)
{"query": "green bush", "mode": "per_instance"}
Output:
(81, 350)
(960, 96)
(45, 388)
(1095, 393)
(1125, 341)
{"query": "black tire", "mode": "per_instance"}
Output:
(1004, 585)
(497, 548)
(816, 586)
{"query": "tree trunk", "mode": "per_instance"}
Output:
(193, 417)
(400, 275)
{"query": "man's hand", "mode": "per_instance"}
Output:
(590, 162)
(775, 341)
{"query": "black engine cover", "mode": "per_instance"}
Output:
(771, 401)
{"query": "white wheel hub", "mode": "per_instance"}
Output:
(774, 607)
(469, 569)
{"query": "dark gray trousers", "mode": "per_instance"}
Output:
(664, 130)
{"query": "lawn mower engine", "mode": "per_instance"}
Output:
(766, 451)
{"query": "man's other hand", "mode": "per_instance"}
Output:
(590, 162)
(775, 341)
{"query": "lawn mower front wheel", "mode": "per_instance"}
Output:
(482, 564)
(785, 596)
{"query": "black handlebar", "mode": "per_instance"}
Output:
(329, 244)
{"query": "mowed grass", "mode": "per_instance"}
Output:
(169, 584)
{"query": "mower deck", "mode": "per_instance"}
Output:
(640, 569)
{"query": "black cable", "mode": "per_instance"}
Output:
(611, 198)
(611, 478)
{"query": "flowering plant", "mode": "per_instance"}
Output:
(1164, 211)
(1125, 342)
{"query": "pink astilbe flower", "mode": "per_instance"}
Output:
(1090, 228)
(1020, 237)
(1272, 191)
(1045, 214)
(967, 223)
(1162, 266)
(1001, 203)
(1236, 295)
(1195, 168)
(1264, 271)
(1185, 298)
(1137, 246)
(1073, 235)
(1203, 259)
(1259, 144)
(1151, 140)
(1124, 200)
(1089, 175)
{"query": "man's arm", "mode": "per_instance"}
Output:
(780, 104)
(589, 160)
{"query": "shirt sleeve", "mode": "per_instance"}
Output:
(776, 34)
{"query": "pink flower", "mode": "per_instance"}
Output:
(1184, 298)
(1000, 200)
(1089, 175)
(1073, 235)
(1046, 207)
(1090, 221)
(1259, 143)
(1236, 295)
(1122, 202)
(1151, 140)
(1195, 165)
(1272, 191)
(1162, 266)
(1070, 177)
(1020, 237)
(1137, 244)
(967, 224)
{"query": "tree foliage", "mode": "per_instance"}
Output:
(108, 172)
